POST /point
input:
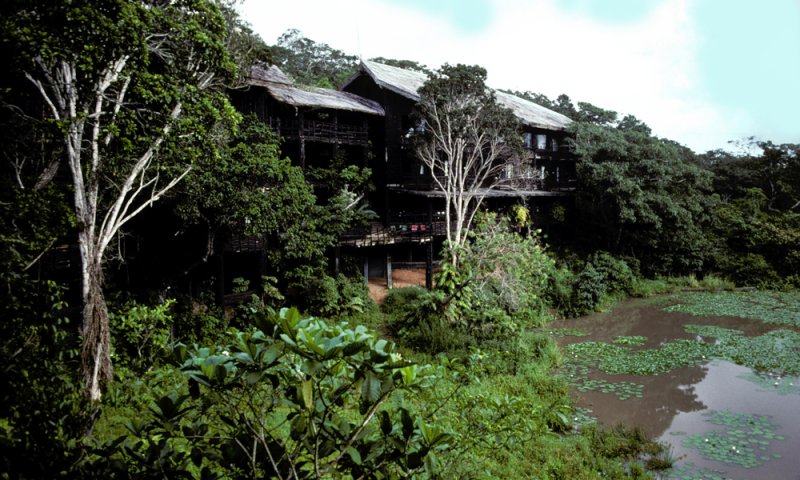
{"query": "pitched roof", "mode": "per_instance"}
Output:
(280, 87)
(271, 74)
(399, 80)
(407, 83)
(531, 113)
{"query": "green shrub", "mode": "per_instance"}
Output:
(751, 269)
(588, 290)
(141, 333)
(401, 301)
(335, 296)
(596, 281)
(417, 319)
(618, 275)
(294, 395)
(559, 289)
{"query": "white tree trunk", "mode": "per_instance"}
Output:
(57, 84)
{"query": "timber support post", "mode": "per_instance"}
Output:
(429, 265)
(429, 249)
(389, 271)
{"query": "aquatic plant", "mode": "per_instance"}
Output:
(567, 332)
(577, 375)
(743, 440)
(582, 416)
(769, 381)
(775, 308)
(775, 352)
(616, 359)
(690, 471)
(634, 340)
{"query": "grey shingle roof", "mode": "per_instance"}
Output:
(279, 86)
(407, 83)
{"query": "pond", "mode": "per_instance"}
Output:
(721, 390)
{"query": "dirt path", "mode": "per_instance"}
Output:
(400, 278)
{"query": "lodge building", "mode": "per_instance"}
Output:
(369, 121)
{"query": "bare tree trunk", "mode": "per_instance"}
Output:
(96, 351)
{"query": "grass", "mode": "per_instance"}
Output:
(514, 419)
(643, 287)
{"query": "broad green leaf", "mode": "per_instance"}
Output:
(354, 455)
(371, 388)
(308, 394)
(386, 423)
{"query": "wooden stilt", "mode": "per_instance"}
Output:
(389, 271)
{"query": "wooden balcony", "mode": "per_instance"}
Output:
(402, 228)
(241, 243)
(509, 183)
(318, 131)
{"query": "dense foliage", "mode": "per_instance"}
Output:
(758, 219)
(642, 197)
(293, 398)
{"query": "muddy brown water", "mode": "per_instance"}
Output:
(676, 404)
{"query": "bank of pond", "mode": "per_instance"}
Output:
(696, 385)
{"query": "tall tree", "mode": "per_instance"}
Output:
(131, 86)
(312, 63)
(640, 196)
(468, 140)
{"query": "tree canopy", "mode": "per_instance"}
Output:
(312, 63)
(642, 197)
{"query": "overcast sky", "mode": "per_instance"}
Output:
(701, 72)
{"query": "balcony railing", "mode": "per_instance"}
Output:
(514, 182)
(317, 131)
(402, 228)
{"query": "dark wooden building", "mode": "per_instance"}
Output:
(315, 123)
(411, 207)
(316, 126)
(370, 122)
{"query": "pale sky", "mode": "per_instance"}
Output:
(701, 72)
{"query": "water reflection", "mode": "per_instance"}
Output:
(725, 388)
(664, 397)
(676, 404)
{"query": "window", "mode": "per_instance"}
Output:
(541, 141)
(528, 140)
